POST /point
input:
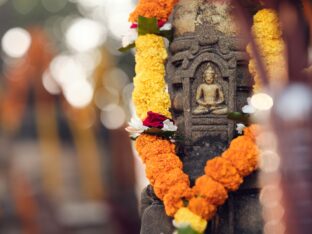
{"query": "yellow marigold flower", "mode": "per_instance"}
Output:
(268, 37)
(149, 84)
(151, 45)
(185, 216)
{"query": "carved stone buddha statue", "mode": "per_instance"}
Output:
(209, 95)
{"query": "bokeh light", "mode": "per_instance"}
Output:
(262, 101)
(104, 98)
(85, 34)
(295, 103)
(91, 3)
(269, 161)
(114, 117)
(16, 42)
(79, 94)
(50, 84)
(117, 12)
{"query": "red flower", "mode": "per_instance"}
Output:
(154, 120)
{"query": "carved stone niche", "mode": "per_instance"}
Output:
(207, 134)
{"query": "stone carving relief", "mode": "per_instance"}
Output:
(209, 94)
(192, 13)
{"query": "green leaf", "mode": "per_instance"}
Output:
(239, 117)
(133, 138)
(167, 34)
(125, 49)
(147, 26)
(187, 230)
(159, 132)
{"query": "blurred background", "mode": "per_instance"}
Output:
(66, 163)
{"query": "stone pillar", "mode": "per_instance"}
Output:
(207, 43)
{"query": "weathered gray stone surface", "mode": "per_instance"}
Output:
(197, 44)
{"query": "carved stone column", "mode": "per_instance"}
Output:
(207, 40)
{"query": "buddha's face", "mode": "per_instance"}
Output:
(209, 76)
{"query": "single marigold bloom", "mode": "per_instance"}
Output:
(165, 181)
(223, 172)
(173, 200)
(243, 154)
(185, 216)
(212, 191)
(149, 146)
(252, 131)
(160, 165)
(202, 208)
(159, 9)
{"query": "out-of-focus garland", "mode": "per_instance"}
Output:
(268, 38)
(190, 207)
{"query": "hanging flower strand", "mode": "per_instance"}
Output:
(191, 207)
(268, 37)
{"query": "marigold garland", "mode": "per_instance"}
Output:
(268, 38)
(222, 174)
(212, 191)
(173, 200)
(149, 84)
(222, 171)
(194, 206)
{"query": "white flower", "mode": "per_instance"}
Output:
(135, 127)
(240, 127)
(129, 38)
(169, 126)
(166, 26)
(248, 109)
(180, 224)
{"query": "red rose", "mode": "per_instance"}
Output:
(154, 120)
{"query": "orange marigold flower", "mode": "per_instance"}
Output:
(202, 208)
(160, 165)
(252, 131)
(152, 146)
(243, 154)
(165, 181)
(212, 191)
(223, 172)
(160, 9)
(173, 200)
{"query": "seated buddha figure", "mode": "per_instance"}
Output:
(209, 95)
